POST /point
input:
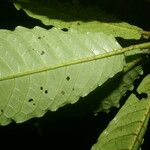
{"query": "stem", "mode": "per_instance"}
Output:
(146, 34)
(78, 61)
(132, 65)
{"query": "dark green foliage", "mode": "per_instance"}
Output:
(74, 127)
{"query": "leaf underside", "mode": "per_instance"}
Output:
(127, 129)
(34, 76)
(82, 18)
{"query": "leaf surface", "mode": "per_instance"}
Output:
(67, 16)
(145, 86)
(43, 70)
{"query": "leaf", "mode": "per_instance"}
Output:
(127, 129)
(145, 86)
(117, 87)
(43, 70)
(68, 16)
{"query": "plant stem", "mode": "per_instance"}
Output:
(146, 34)
(132, 65)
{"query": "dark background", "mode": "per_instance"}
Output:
(68, 128)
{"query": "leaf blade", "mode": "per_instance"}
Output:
(22, 51)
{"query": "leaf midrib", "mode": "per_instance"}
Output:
(78, 61)
(142, 126)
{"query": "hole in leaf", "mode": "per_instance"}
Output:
(2, 110)
(68, 78)
(62, 92)
(41, 88)
(46, 91)
(64, 29)
(144, 95)
(42, 53)
(72, 89)
(30, 100)
(39, 38)
(34, 104)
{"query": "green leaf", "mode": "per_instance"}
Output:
(117, 87)
(145, 86)
(78, 17)
(43, 70)
(127, 129)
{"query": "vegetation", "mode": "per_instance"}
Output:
(76, 62)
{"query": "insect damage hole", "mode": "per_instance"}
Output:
(67, 78)
(30, 100)
(39, 37)
(141, 95)
(41, 88)
(64, 29)
(46, 91)
(144, 95)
